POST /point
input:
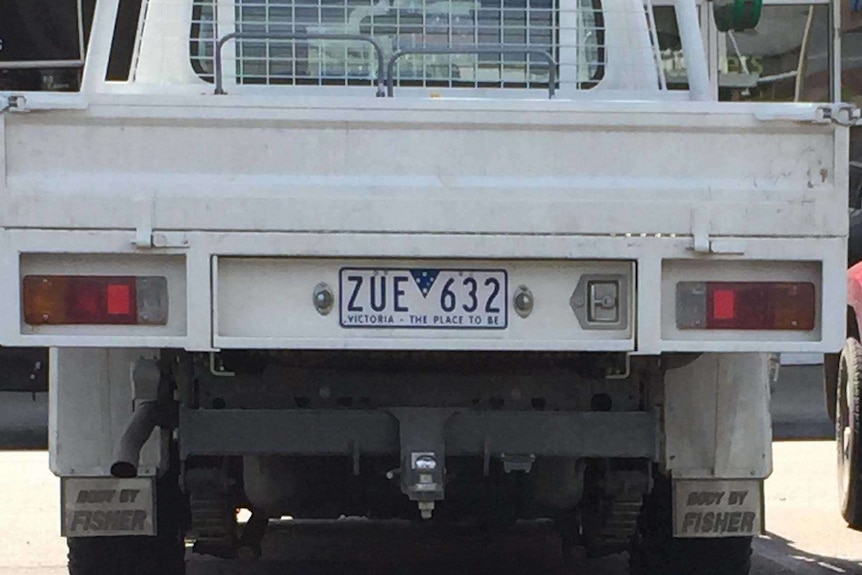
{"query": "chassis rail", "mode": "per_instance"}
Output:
(346, 432)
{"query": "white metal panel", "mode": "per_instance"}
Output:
(2, 160)
(716, 418)
(801, 358)
(99, 49)
(163, 54)
(199, 293)
(89, 405)
(648, 252)
(171, 267)
(267, 303)
(695, 53)
(94, 246)
(631, 56)
(676, 271)
(432, 167)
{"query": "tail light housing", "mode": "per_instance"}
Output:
(95, 300)
(777, 306)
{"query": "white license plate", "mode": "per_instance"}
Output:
(423, 298)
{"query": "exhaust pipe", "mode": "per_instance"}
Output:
(127, 452)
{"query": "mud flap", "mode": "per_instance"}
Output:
(103, 506)
(709, 508)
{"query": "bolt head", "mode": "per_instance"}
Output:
(323, 298)
(523, 301)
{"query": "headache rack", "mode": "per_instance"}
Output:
(475, 44)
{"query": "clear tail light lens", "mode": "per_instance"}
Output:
(788, 306)
(95, 300)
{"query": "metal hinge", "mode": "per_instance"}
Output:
(703, 244)
(146, 238)
(13, 103)
(841, 114)
(143, 241)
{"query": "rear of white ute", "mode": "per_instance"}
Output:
(415, 261)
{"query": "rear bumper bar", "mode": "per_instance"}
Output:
(354, 432)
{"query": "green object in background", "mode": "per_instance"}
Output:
(736, 15)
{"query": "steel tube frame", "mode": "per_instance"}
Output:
(239, 36)
(390, 67)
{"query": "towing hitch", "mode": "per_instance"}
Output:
(423, 455)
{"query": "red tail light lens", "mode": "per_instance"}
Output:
(789, 306)
(95, 300)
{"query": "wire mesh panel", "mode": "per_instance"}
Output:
(571, 32)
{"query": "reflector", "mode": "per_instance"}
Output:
(119, 299)
(724, 303)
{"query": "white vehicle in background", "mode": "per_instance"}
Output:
(438, 261)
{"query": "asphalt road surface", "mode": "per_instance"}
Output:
(806, 535)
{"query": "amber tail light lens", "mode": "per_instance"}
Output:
(95, 300)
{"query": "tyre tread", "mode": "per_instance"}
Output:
(851, 491)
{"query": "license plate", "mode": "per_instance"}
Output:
(423, 298)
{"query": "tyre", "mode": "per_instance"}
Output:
(854, 239)
(848, 427)
(654, 551)
(163, 554)
(125, 556)
(830, 383)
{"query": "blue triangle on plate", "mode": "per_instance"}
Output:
(424, 279)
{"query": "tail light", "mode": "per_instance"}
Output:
(746, 305)
(95, 300)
